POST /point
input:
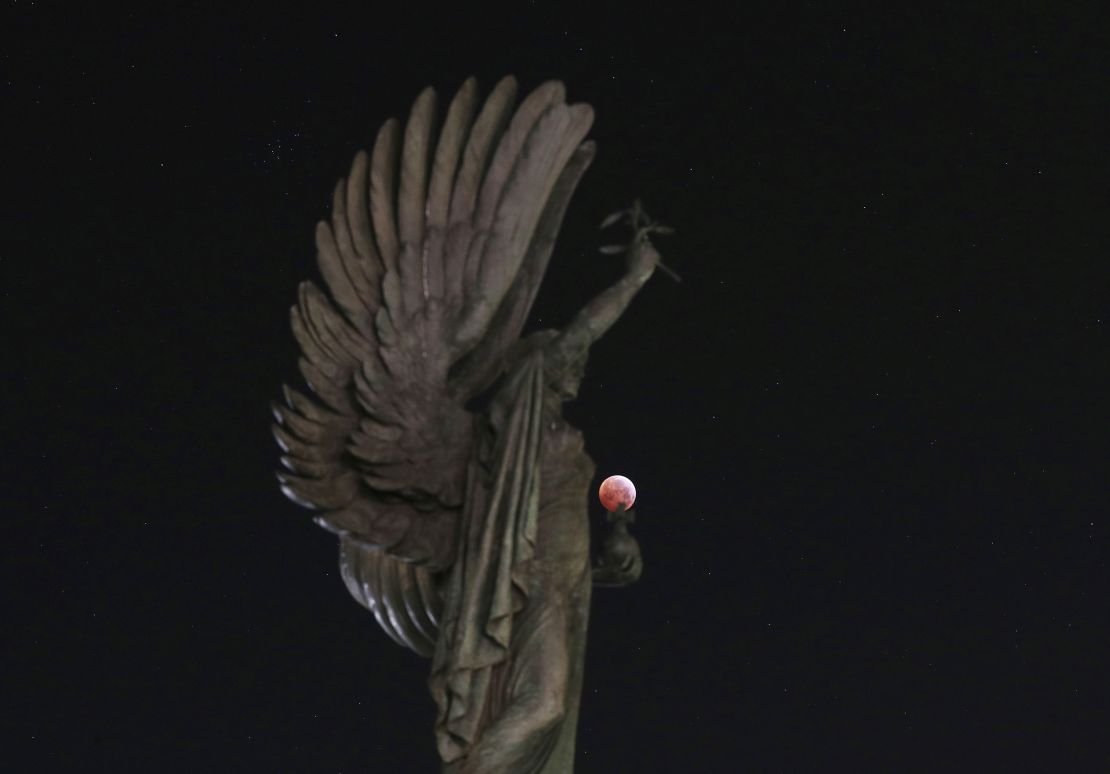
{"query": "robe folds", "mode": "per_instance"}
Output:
(507, 668)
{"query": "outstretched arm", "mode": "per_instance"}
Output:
(594, 319)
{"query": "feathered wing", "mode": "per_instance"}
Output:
(435, 249)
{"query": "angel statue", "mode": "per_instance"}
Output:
(436, 450)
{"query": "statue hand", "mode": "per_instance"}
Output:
(641, 259)
(621, 562)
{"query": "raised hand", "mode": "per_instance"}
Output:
(621, 562)
(641, 255)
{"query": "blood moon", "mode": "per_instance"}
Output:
(617, 491)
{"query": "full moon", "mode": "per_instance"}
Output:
(616, 491)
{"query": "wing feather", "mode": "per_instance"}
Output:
(555, 138)
(414, 168)
(308, 468)
(431, 603)
(415, 605)
(505, 159)
(522, 179)
(392, 579)
(412, 199)
(331, 331)
(334, 396)
(482, 364)
(393, 591)
(358, 215)
(383, 323)
(338, 279)
(358, 567)
(345, 254)
(485, 132)
(456, 129)
(307, 430)
(309, 409)
(341, 226)
(314, 352)
(383, 174)
(550, 145)
(330, 494)
(508, 154)
(298, 449)
(377, 524)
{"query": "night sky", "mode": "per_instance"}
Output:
(868, 430)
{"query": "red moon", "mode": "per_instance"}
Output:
(616, 491)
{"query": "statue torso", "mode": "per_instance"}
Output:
(566, 470)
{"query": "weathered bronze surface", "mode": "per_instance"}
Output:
(436, 450)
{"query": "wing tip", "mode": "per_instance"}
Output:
(324, 523)
(294, 496)
(507, 86)
(582, 113)
(389, 133)
(554, 90)
(359, 164)
(290, 396)
(279, 435)
(427, 94)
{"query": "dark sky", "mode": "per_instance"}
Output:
(869, 429)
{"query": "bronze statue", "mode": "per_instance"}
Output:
(439, 454)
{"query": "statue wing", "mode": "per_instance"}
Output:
(432, 258)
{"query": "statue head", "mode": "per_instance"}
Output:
(561, 383)
(567, 382)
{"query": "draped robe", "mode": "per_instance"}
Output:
(507, 669)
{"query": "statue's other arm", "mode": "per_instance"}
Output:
(620, 563)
